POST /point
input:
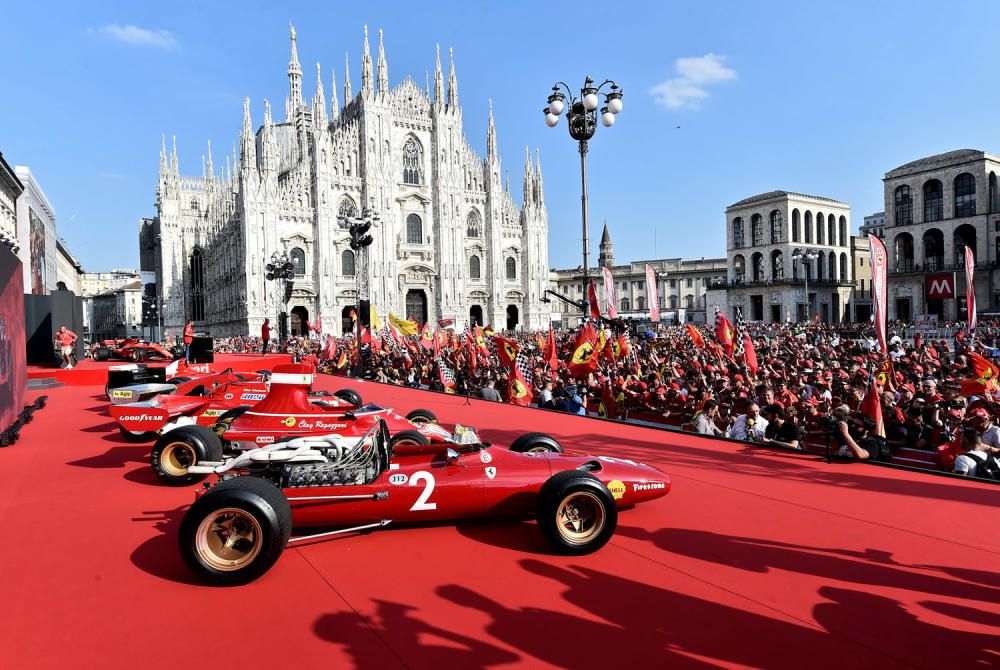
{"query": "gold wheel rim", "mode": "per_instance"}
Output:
(228, 539)
(406, 442)
(580, 517)
(538, 450)
(177, 457)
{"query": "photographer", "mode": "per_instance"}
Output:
(854, 439)
(781, 432)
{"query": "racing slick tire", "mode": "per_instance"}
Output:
(236, 531)
(409, 438)
(349, 395)
(576, 512)
(139, 355)
(101, 354)
(140, 436)
(422, 416)
(182, 447)
(534, 443)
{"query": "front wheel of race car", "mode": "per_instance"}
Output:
(179, 449)
(409, 438)
(101, 354)
(349, 395)
(419, 416)
(236, 531)
(535, 443)
(576, 512)
(140, 436)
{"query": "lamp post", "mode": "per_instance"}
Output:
(358, 227)
(280, 270)
(805, 256)
(581, 120)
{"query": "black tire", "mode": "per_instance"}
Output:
(254, 508)
(536, 443)
(147, 436)
(409, 438)
(422, 416)
(181, 448)
(576, 492)
(101, 354)
(178, 380)
(349, 395)
(139, 355)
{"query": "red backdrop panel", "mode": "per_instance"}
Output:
(13, 372)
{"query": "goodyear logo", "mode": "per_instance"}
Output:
(617, 488)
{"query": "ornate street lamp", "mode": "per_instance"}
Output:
(280, 270)
(805, 256)
(360, 241)
(581, 120)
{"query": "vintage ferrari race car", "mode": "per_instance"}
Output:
(131, 349)
(238, 528)
(287, 411)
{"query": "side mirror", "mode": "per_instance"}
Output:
(451, 457)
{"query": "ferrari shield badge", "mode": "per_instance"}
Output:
(491, 472)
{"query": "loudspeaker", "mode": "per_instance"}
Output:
(201, 350)
(366, 313)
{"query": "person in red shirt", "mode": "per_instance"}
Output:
(65, 339)
(188, 338)
(265, 334)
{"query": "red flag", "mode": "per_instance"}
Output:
(749, 354)
(985, 376)
(609, 293)
(319, 325)
(584, 358)
(652, 294)
(330, 350)
(472, 352)
(595, 309)
(872, 406)
(879, 263)
(970, 290)
(437, 343)
(606, 409)
(342, 361)
(366, 336)
(696, 338)
(539, 342)
(427, 338)
(622, 346)
(551, 354)
(444, 323)
(518, 390)
(481, 342)
(376, 342)
(506, 350)
(353, 315)
(725, 333)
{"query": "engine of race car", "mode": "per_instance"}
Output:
(325, 474)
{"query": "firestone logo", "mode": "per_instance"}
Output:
(648, 486)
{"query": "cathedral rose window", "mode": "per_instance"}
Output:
(411, 162)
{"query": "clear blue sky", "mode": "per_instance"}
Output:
(722, 99)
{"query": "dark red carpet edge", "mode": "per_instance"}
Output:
(756, 559)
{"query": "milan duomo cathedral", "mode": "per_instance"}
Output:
(450, 244)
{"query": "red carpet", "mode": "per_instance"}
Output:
(755, 559)
(94, 373)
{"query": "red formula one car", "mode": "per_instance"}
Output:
(131, 349)
(238, 528)
(286, 410)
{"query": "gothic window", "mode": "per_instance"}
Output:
(411, 162)
(511, 268)
(298, 259)
(756, 230)
(414, 230)
(776, 226)
(965, 195)
(474, 267)
(904, 206)
(474, 225)
(194, 204)
(197, 285)
(347, 263)
(738, 232)
(347, 209)
(933, 201)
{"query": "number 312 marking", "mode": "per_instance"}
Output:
(421, 504)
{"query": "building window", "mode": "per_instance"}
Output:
(411, 162)
(298, 259)
(194, 204)
(994, 195)
(512, 268)
(689, 302)
(414, 230)
(688, 282)
(809, 227)
(777, 265)
(965, 195)
(640, 303)
(473, 225)
(738, 233)
(820, 227)
(831, 227)
(757, 230)
(347, 263)
(933, 201)
(474, 267)
(844, 239)
(197, 285)
(673, 283)
(904, 206)
(795, 225)
(347, 209)
(757, 266)
(776, 226)
(626, 305)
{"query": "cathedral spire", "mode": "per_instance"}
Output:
(438, 78)
(529, 178)
(452, 81)
(540, 197)
(334, 102)
(173, 158)
(163, 156)
(383, 68)
(248, 143)
(294, 77)
(211, 169)
(319, 100)
(427, 84)
(367, 87)
(348, 95)
(491, 136)
(507, 188)
(269, 149)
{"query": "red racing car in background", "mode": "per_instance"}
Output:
(237, 529)
(131, 349)
(287, 412)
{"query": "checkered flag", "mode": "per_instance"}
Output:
(633, 357)
(446, 374)
(523, 363)
(741, 329)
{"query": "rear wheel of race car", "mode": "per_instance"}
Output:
(419, 416)
(101, 354)
(409, 438)
(349, 395)
(236, 531)
(181, 448)
(139, 355)
(140, 436)
(535, 443)
(576, 512)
